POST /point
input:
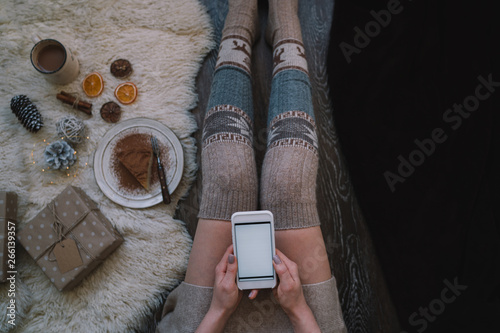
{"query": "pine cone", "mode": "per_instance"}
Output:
(26, 112)
(59, 155)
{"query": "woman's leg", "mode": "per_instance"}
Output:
(288, 184)
(227, 158)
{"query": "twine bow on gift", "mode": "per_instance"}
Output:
(58, 228)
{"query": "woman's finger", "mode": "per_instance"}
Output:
(290, 265)
(282, 270)
(231, 269)
(253, 294)
(221, 268)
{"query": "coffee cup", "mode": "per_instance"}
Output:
(54, 60)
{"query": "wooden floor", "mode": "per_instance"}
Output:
(364, 297)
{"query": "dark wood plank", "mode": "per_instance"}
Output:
(365, 300)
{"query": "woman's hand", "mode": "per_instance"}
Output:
(226, 295)
(289, 294)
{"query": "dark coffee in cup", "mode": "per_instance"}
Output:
(51, 58)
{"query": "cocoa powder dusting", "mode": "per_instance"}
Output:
(127, 181)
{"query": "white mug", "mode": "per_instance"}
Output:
(54, 60)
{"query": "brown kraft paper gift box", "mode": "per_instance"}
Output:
(8, 217)
(69, 238)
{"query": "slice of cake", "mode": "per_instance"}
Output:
(137, 159)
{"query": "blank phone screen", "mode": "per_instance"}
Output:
(253, 244)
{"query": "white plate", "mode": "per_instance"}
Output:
(109, 182)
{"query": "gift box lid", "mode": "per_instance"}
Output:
(71, 214)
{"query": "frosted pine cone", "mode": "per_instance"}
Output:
(59, 155)
(26, 112)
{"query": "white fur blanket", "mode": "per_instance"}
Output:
(165, 41)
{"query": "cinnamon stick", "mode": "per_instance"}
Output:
(77, 104)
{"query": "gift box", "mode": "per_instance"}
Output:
(69, 238)
(8, 216)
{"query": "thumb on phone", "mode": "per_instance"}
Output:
(232, 267)
(282, 269)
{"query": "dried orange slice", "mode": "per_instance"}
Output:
(126, 93)
(93, 84)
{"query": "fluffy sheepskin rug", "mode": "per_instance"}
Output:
(166, 42)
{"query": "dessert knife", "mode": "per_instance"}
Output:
(161, 172)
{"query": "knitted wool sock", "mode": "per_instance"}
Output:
(238, 35)
(284, 35)
(288, 184)
(227, 157)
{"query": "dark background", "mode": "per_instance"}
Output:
(441, 225)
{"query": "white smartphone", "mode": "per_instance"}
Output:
(253, 242)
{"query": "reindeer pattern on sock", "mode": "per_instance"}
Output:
(289, 54)
(234, 50)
